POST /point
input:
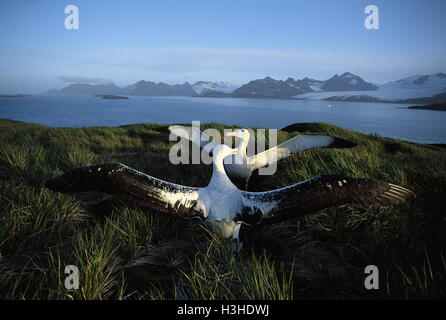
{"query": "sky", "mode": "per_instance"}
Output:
(235, 41)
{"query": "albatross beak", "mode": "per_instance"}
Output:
(234, 134)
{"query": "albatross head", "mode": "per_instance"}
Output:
(243, 137)
(242, 134)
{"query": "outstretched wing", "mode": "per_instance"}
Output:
(294, 145)
(193, 134)
(131, 186)
(320, 192)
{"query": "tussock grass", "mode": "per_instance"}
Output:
(130, 253)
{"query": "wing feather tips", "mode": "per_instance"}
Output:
(379, 193)
(400, 194)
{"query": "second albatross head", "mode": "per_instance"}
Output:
(243, 136)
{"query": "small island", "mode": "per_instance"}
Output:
(110, 96)
(18, 95)
(436, 107)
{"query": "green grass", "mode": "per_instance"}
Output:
(132, 253)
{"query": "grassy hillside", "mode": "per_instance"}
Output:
(131, 253)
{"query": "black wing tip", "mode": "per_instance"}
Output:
(81, 179)
(339, 143)
(59, 183)
(162, 129)
(167, 129)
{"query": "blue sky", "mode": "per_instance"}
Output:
(235, 41)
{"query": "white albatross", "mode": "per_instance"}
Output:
(240, 166)
(221, 204)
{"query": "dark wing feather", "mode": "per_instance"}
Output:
(131, 186)
(323, 191)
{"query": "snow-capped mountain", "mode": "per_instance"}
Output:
(431, 82)
(347, 82)
(414, 87)
(269, 87)
(306, 84)
(220, 86)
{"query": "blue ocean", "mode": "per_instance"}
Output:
(386, 119)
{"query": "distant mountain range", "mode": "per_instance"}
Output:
(140, 88)
(345, 87)
(146, 88)
(271, 88)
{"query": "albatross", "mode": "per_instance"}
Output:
(240, 166)
(221, 204)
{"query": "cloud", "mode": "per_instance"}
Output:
(85, 80)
